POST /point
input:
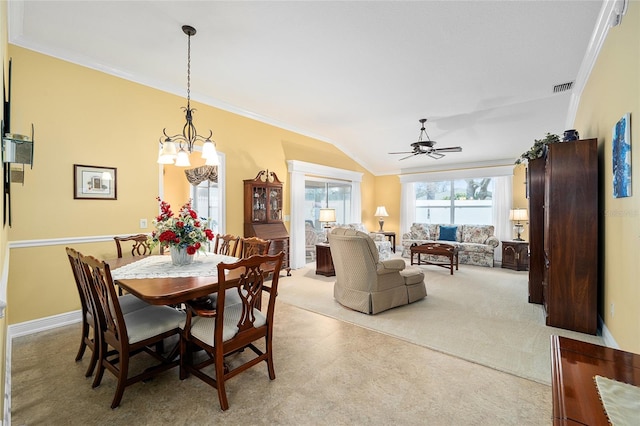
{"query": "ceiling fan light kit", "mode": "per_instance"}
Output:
(426, 146)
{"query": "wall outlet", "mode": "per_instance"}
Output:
(143, 223)
(612, 309)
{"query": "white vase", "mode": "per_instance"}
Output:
(180, 257)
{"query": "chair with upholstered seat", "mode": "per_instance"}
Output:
(310, 241)
(231, 329)
(139, 247)
(140, 331)
(228, 245)
(364, 282)
(128, 303)
(89, 317)
(254, 245)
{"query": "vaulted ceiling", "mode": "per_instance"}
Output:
(358, 74)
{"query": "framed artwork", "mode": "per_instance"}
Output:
(94, 183)
(622, 157)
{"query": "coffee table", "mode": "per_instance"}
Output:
(436, 249)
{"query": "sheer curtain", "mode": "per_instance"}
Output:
(408, 206)
(502, 202)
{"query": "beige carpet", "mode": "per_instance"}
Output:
(479, 314)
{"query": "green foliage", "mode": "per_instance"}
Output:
(537, 150)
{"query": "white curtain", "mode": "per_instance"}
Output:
(502, 202)
(356, 202)
(407, 206)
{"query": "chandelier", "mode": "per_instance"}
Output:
(176, 148)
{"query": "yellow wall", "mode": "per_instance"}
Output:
(83, 116)
(520, 200)
(613, 89)
(3, 231)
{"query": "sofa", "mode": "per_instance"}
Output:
(366, 283)
(476, 243)
(382, 244)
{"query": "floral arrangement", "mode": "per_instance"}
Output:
(538, 147)
(185, 231)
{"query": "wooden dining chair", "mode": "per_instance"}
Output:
(89, 318)
(228, 245)
(231, 329)
(89, 336)
(140, 331)
(139, 244)
(254, 245)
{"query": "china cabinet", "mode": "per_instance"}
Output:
(263, 213)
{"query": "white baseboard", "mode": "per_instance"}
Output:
(609, 341)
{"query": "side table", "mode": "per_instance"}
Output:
(391, 236)
(324, 262)
(515, 255)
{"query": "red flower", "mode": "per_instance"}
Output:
(193, 214)
(209, 234)
(180, 224)
(197, 245)
(167, 236)
(191, 250)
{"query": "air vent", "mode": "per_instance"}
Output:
(562, 87)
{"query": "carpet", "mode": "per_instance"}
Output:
(479, 314)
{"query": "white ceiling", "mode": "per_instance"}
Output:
(358, 74)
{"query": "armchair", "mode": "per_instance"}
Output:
(364, 282)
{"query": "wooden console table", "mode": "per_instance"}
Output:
(324, 261)
(574, 364)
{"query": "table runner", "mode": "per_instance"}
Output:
(621, 401)
(203, 265)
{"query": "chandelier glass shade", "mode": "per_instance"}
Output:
(175, 149)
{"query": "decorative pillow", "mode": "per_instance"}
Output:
(448, 233)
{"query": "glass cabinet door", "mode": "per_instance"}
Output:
(275, 201)
(259, 204)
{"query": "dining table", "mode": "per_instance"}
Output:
(157, 281)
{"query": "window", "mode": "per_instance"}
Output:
(320, 194)
(459, 201)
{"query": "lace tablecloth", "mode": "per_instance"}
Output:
(203, 265)
(621, 401)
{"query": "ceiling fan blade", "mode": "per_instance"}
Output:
(449, 149)
(408, 156)
(402, 152)
(435, 155)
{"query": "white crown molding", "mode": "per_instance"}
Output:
(609, 13)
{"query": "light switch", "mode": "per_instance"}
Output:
(143, 223)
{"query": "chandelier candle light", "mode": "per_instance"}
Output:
(326, 216)
(185, 141)
(381, 212)
(518, 215)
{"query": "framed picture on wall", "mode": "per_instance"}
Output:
(94, 183)
(621, 138)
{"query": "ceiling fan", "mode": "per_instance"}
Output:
(426, 146)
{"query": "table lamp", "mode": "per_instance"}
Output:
(326, 216)
(518, 215)
(381, 212)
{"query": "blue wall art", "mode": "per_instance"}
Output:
(622, 157)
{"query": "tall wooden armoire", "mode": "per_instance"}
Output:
(535, 192)
(263, 213)
(570, 241)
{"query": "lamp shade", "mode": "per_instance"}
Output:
(518, 214)
(327, 215)
(381, 211)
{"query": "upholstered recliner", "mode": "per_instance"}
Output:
(366, 284)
